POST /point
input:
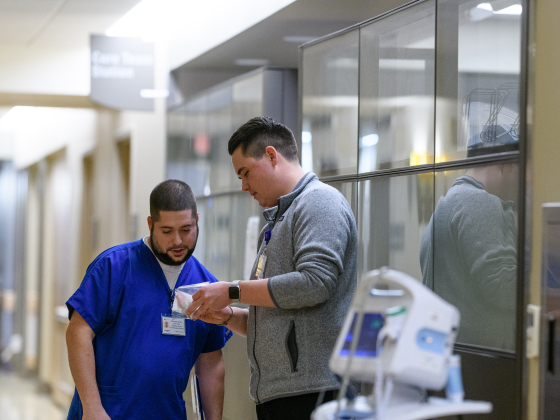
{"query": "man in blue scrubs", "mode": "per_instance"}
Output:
(128, 357)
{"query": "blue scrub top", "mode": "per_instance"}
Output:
(141, 373)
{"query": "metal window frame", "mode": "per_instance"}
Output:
(522, 157)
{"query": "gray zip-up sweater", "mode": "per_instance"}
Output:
(312, 270)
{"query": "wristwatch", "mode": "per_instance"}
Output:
(235, 291)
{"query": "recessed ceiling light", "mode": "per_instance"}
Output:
(370, 140)
(515, 9)
(299, 39)
(148, 20)
(15, 117)
(154, 93)
(481, 12)
(485, 6)
(168, 20)
(251, 62)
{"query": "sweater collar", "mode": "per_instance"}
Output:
(286, 201)
(466, 179)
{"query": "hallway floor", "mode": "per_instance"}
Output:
(19, 400)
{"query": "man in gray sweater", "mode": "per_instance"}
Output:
(303, 279)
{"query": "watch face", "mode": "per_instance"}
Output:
(234, 292)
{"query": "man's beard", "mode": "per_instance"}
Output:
(164, 257)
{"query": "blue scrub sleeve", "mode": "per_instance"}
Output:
(216, 339)
(98, 297)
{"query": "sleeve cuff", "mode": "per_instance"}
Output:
(74, 306)
(269, 285)
(227, 335)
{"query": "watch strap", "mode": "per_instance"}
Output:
(234, 291)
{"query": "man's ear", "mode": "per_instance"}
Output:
(150, 223)
(197, 217)
(271, 154)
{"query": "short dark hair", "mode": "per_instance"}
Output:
(260, 132)
(171, 195)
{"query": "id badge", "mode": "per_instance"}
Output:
(172, 326)
(261, 266)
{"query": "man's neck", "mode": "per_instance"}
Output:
(292, 177)
(164, 266)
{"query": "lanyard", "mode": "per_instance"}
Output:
(267, 236)
(259, 272)
(171, 298)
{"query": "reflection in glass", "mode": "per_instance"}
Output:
(397, 89)
(330, 105)
(469, 251)
(478, 102)
(393, 214)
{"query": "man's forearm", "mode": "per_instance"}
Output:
(210, 370)
(238, 321)
(255, 292)
(82, 366)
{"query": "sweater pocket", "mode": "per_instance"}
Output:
(291, 346)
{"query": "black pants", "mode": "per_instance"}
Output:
(299, 407)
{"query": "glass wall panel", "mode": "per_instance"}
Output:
(199, 130)
(246, 224)
(330, 106)
(180, 150)
(393, 214)
(469, 252)
(479, 47)
(247, 100)
(397, 74)
(200, 250)
(219, 114)
(216, 235)
(188, 145)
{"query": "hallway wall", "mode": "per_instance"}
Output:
(103, 159)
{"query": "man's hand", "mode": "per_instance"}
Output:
(213, 297)
(101, 414)
(216, 317)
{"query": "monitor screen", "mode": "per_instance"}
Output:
(367, 342)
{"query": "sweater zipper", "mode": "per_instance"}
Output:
(255, 356)
(255, 341)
